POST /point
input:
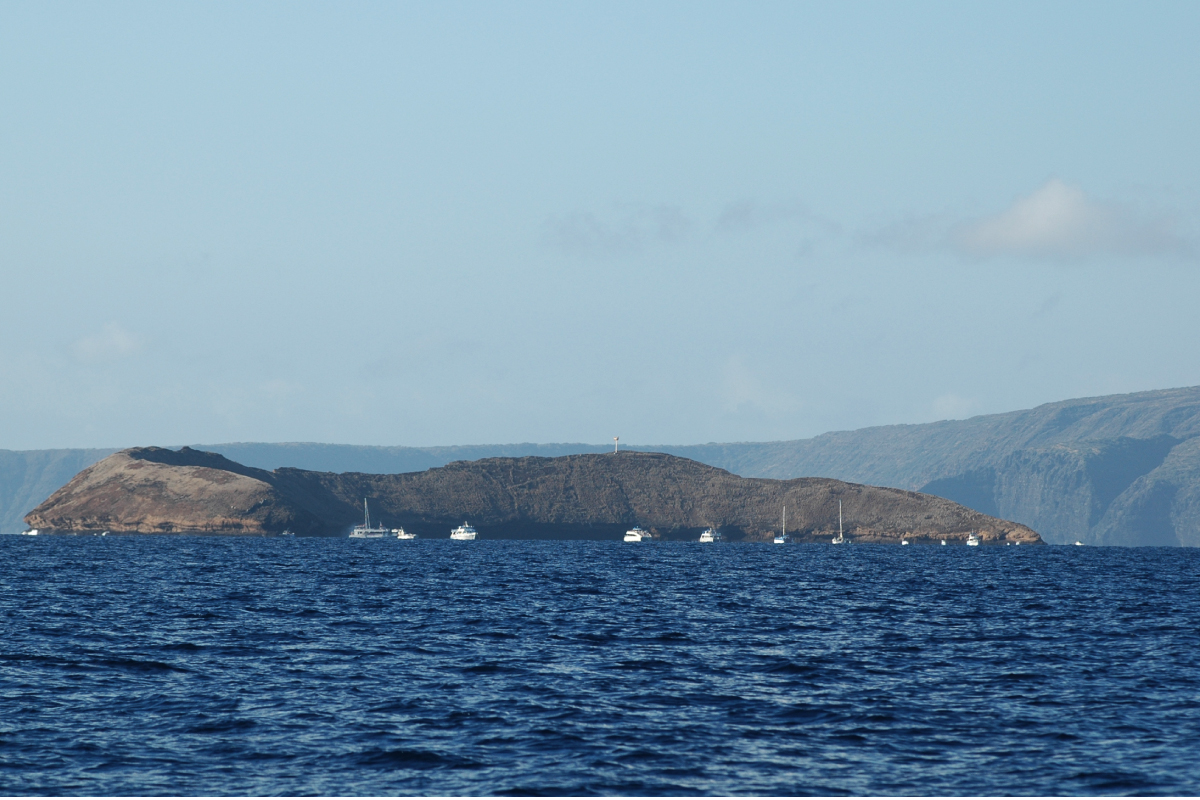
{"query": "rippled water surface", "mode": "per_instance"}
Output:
(263, 666)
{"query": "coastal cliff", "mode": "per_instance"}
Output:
(590, 496)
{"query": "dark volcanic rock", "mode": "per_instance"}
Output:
(151, 490)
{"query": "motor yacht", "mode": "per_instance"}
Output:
(403, 534)
(711, 535)
(463, 533)
(636, 534)
(972, 540)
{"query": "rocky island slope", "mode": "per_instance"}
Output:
(591, 496)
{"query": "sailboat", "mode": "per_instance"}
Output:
(782, 537)
(365, 531)
(839, 539)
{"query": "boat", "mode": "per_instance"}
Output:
(31, 532)
(284, 532)
(403, 534)
(1077, 542)
(463, 533)
(972, 539)
(782, 537)
(365, 531)
(943, 541)
(839, 539)
(636, 534)
(904, 541)
(711, 535)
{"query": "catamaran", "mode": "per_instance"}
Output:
(636, 534)
(463, 533)
(839, 539)
(365, 531)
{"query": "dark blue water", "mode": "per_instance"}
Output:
(204, 666)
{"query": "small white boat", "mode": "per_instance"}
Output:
(839, 539)
(904, 541)
(365, 531)
(30, 532)
(284, 532)
(402, 534)
(1077, 542)
(972, 540)
(636, 534)
(711, 535)
(943, 541)
(463, 533)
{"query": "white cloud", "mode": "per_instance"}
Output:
(743, 390)
(952, 406)
(1057, 221)
(1060, 221)
(110, 343)
(633, 229)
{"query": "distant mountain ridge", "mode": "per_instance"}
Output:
(1120, 469)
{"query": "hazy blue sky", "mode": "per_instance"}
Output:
(674, 222)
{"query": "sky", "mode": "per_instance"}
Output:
(462, 223)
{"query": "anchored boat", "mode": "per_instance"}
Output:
(636, 534)
(839, 539)
(463, 533)
(365, 531)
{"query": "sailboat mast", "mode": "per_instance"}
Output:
(366, 514)
(839, 519)
(785, 520)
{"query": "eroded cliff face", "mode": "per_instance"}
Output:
(150, 490)
(1065, 489)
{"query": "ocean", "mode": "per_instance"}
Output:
(213, 666)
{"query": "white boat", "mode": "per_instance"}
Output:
(943, 541)
(839, 539)
(636, 534)
(403, 534)
(365, 531)
(782, 537)
(463, 533)
(31, 532)
(1077, 542)
(904, 541)
(284, 532)
(711, 535)
(972, 539)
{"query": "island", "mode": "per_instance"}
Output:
(154, 490)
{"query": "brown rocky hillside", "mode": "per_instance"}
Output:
(596, 496)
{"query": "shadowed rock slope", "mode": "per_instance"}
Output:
(592, 496)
